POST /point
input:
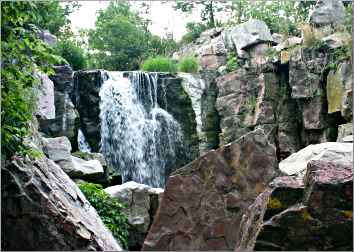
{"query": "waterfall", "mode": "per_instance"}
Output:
(138, 137)
(82, 143)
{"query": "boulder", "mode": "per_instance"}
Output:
(337, 40)
(249, 33)
(204, 201)
(59, 150)
(344, 130)
(63, 78)
(297, 163)
(288, 43)
(328, 12)
(45, 97)
(142, 202)
(43, 209)
(296, 214)
(47, 37)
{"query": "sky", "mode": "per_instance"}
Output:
(164, 18)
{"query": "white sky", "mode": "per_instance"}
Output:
(164, 18)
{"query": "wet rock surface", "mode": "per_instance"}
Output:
(204, 201)
(44, 209)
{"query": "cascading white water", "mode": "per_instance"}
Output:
(82, 143)
(137, 136)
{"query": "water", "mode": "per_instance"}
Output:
(138, 138)
(82, 143)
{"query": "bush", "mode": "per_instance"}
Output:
(231, 64)
(312, 38)
(159, 64)
(109, 209)
(188, 65)
(72, 53)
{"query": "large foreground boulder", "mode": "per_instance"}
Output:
(43, 209)
(204, 201)
(142, 202)
(313, 213)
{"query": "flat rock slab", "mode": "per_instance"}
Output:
(204, 201)
(43, 209)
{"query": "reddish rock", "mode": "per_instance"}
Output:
(313, 214)
(204, 201)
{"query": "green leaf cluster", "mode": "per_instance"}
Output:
(231, 63)
(22, 53)
(193, 32)
(72, 53)
(109, 209)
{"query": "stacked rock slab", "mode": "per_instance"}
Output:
(142, 202)
(43, 209)
(204, 201)
(66, 118)
(309, 213)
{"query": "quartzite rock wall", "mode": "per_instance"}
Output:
(204, 201)
(43, 209)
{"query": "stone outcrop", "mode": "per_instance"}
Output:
(303, 213)
(43, 209)
(204, 201)
(66, 119)
(59, 150)
(344, 130)
(296, 164)
(47, 37)
(45, 98)
(142, 202)
(328, 12)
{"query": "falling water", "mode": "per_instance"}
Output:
(138, 138)
(82, 143)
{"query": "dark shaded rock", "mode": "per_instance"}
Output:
(310, 214)
(142, 202)
(204, 201)
(43, 209)
(66, 120)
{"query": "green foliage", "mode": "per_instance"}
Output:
(209, 9)
(72, 53)
(280, 16)
(194, 31)
(109, 209)
(232, 64)
(159, 64)
(161, 46)
(188, 65)
(21, 54)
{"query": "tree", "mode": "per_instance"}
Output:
(209, 9)
(119, 38)
(72, 52)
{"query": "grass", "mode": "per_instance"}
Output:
(159, 64)
(188, 64)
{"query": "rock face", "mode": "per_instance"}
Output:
(204, 201)
(59, 150)
(43, 209)
(303, 214)
(328, 12)
(248, 34)
(66, 118)
(48, 38)
(297, 163)
(45, 98)
(344, 130)
(142, 202)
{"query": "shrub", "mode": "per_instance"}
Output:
(188, 65)
(231, 64)
(312, 38)
(72, 53)
(159, 64)
(194, 31)
(109, 209)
